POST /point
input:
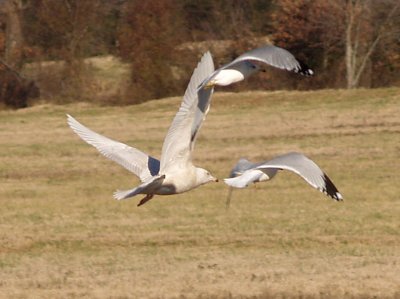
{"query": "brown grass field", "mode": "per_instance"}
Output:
(63, 236)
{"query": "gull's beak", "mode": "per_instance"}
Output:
(210, 84)
(215, 180)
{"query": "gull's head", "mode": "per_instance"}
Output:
(203, 176)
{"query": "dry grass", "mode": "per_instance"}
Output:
(62, 235)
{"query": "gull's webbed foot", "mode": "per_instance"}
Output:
(145, 199)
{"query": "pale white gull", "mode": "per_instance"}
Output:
(175, 173)
(245, 172)
(254, 61)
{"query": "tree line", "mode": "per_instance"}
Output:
(348, 43)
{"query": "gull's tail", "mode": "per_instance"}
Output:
(144, 188)
(124, 194)
(236, 182)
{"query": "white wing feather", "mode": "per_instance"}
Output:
(177, 145)
(130, 158)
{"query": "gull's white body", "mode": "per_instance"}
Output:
(258, 176)
(229, 76)
(175, 172)
(171, 182)
(245, 173)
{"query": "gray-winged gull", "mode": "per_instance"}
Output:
(175, 173)
(253, 61)
(242, 67)
(245, 172)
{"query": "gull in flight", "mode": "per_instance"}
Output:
(254, 61)
(245, 172)
(241, 68)
(175, 173)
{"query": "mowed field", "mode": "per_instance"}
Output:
(64, 236)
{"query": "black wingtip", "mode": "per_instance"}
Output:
(331, 190)
(304, 70)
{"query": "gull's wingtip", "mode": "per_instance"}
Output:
(307, 72)
(74, 124)
(339, 197)
(331, 190)
(70, 119)
(304, 70)
(207, 53)
(121, 194)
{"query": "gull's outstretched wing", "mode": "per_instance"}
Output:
(270, 55)
(295, 162)
(273, 56)
(131, 158)
(178, 144)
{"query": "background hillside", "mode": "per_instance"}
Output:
(151, 47)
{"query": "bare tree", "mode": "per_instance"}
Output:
(312, 30)
(363, 34)
(14, 37)
(339, 36)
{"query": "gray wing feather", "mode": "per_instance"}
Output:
(271, 55)
(204, 96)
(130, 158)
(274, 56)
(307, 169)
